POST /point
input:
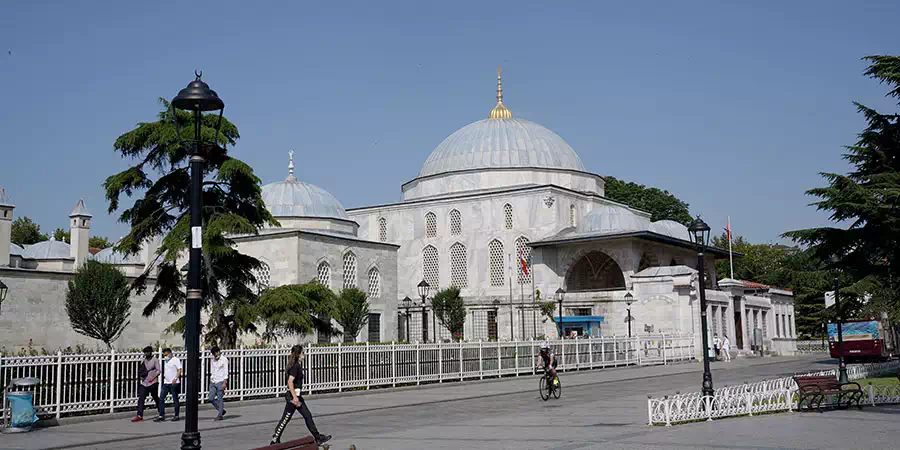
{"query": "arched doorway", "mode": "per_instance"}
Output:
(593, 272)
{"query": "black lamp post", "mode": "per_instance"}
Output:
(4, 289)
(699, 232)
(629, 299)
(423, 292)
(196, 98)
(560, 295)
(406, 304)
(842, 365)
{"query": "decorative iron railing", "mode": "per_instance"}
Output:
(812, 346)
(107, 382)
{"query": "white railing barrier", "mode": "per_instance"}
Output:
(760, 397)
(107, 382)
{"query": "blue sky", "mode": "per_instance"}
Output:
(734, 108)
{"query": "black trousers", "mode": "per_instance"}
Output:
(289, 409)
(175, 390)
(142, 396)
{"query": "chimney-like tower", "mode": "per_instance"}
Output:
(6, 217)
(80, 230)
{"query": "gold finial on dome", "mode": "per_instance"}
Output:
(500, 111)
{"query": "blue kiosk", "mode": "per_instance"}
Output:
(584, 325)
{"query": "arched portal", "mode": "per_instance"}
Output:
(594, 271)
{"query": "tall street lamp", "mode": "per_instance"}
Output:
(196, 98)
(4, 289)
(699, 232)
(406, 304)
(423, 292)
(629, 299)
(560, 295)
(842, 365)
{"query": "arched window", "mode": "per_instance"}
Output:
(507, 216)
(374, 283)
(572, 212)
(431, 266)
(324, 274)
(382, 229)
(458, 266)
(349, 270)
(455, 222)
(594, 271)
(523, 251)
(496, 263)
(430, 225)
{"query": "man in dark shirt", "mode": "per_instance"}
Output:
(148, 372)
(294, 401)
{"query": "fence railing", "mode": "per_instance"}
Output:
(812, 346)
(107, 382)
(764, 396)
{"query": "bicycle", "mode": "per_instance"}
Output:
(549, 385)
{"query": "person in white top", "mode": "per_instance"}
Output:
(726, 348)
(717, 346)
(218, 381)
(171, 384)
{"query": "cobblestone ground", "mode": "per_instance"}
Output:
(598, 409)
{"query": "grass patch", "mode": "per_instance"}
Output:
(879, 381)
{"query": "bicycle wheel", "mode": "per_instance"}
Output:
(544, 389)
(557, 389)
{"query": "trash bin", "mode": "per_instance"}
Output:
(20, 415)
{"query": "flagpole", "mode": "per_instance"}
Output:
(533, 311)
(512, 310)
(730, 253)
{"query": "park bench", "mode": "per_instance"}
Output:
(814, 390)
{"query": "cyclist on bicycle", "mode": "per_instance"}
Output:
(549, 360)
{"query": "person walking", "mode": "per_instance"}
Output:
(294, 401)
(717, 346)
(218, 381)
(172, 374)
(726, 349)
(148, 372)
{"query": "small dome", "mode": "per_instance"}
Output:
(612, 219)
(501, 143)
(15, 250)
(108, 255)
(293, 198)
(51, 249)
(671, 228)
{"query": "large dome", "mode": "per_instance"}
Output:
(501, 143)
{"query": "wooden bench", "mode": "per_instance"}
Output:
(814, 390)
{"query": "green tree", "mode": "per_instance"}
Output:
(97, 302)
(661, 204)
(866, 250)
(99, 242)
(232, 205)
(351, 312)
(760, 263)
(450, 311)
(62, 236)
(296, 309)
(25, 232)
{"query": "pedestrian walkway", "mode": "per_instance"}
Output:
(251, 423)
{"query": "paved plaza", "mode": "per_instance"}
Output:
(598, 409)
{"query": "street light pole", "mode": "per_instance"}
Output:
(560, 295)
(407, 302)
(423, 292)
(842, 365)
(197, 98)
(629, 298)
(699, 231)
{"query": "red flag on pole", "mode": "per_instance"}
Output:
(728, 230)
(523, 262)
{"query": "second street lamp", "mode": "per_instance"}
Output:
(699, 232)
(406, 304)
(560, 295)
(196, 98)
(423, 292)
(629, 299)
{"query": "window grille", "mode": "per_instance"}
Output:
(581, 311)
(374, 327)
(508, 216)
(523, 251)
(430, 266)
(572, 215)
(496, 263)
(430, 225)
(324, 274)
(382, 229)
(458, 266)
(480, 325)
(455, 222)
(349, 270)
(492, 325)
(263, 275)
(374, 283)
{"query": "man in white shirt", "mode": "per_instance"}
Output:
(218, 381)
(171, 384)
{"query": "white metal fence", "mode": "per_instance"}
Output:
(107, 382)
(812, 346)
(764, 396)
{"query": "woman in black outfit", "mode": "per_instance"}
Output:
(294, 401)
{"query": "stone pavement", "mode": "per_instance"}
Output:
(603, 408)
